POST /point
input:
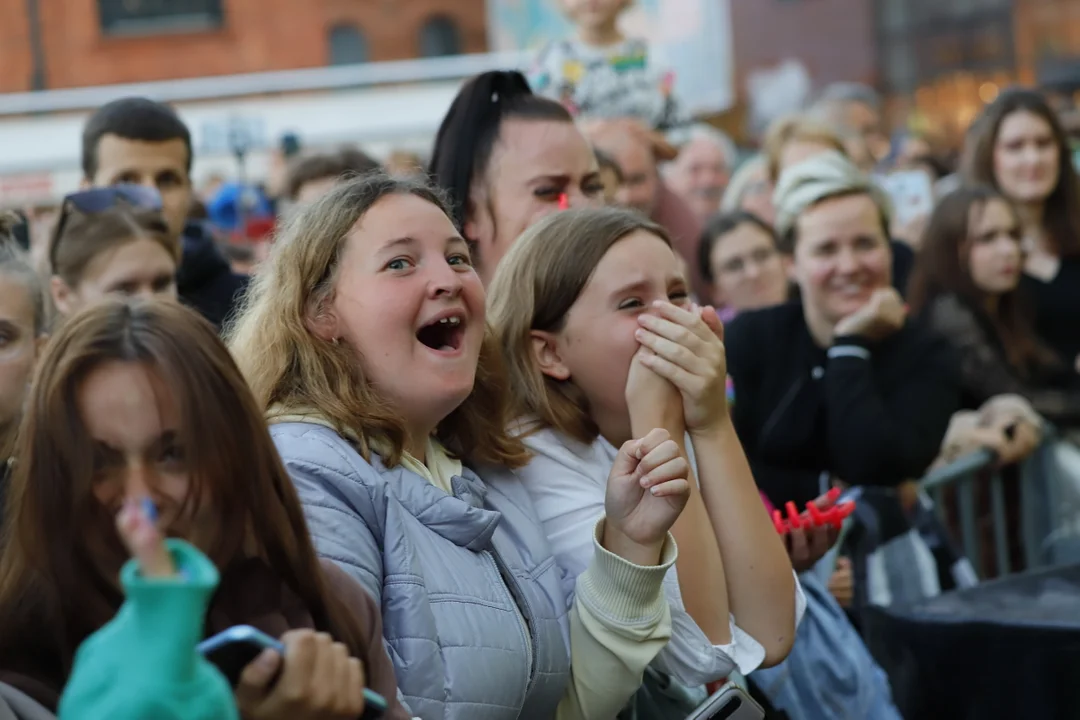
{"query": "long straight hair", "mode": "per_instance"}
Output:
(1061, 218)
(54, 590)
(534, 288)
(942, 269)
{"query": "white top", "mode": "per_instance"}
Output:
(622, 80)
(567, 482)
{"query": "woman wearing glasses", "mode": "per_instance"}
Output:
(111, 241)
(742, 264)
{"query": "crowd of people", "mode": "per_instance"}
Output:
(507, 434)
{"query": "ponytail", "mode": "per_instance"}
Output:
(468, 133)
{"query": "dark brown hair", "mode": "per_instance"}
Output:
(535, 285)
(720, 225)
(344, 164)
(286, 364)
(942, 269)
(1061, 218)
(82, 237)
(53, 590)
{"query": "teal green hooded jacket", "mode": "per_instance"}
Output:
(143, 665)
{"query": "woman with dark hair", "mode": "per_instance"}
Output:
(1018, 147)
(966, 283)
(742, 264)
(506, 158)
(142, 401)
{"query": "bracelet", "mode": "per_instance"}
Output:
(855, 351)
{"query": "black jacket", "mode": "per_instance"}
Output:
(803, 417)
(205, 281)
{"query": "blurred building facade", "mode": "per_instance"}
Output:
(73, 43)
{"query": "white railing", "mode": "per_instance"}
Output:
(264, 83)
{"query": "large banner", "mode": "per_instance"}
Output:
(691, 37)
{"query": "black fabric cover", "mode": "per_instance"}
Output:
(1006, 649)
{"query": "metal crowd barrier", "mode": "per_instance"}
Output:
(1041, 495)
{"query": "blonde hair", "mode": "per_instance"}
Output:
(744, 178)
(797, 128)
(287, 365)
(535, 285)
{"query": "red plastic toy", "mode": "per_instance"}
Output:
(814, 517)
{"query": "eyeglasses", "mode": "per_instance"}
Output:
(99, 200)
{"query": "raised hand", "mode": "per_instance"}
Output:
(646, 490)
(651, 399)
(141, 537)
(319, 681)
(690, 354)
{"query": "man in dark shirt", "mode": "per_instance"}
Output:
(139, 141)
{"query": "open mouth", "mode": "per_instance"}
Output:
(444, 335)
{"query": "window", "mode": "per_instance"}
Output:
(440, 37)
(348, 45)
(124, 17)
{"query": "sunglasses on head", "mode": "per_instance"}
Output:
(99, 200)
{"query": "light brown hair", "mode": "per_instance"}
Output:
(535, 285)
(83, 237)
(288, 366)
(797, 128)
(54, 591)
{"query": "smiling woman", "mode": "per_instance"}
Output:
(839, 387)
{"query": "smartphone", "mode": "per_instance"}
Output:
(234, 649)
(730, 702)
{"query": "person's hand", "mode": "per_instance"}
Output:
(141, 537)
(882, 315)
(319, 681)
(646, 490)
(842, 583)
(651, 400)
(690, 354)
(807, 545)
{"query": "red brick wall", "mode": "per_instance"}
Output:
(258, 35)
(15, 57)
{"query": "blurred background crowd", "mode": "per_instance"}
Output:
(880, 199)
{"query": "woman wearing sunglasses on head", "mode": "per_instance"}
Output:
(111, 241)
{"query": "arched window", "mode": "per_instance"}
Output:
(347, 45)
(439, 37)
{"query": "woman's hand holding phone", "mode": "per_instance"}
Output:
(690, 354)
(319, 681)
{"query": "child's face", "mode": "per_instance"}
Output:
(593, 13)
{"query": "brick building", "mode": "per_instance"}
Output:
(96, 42)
